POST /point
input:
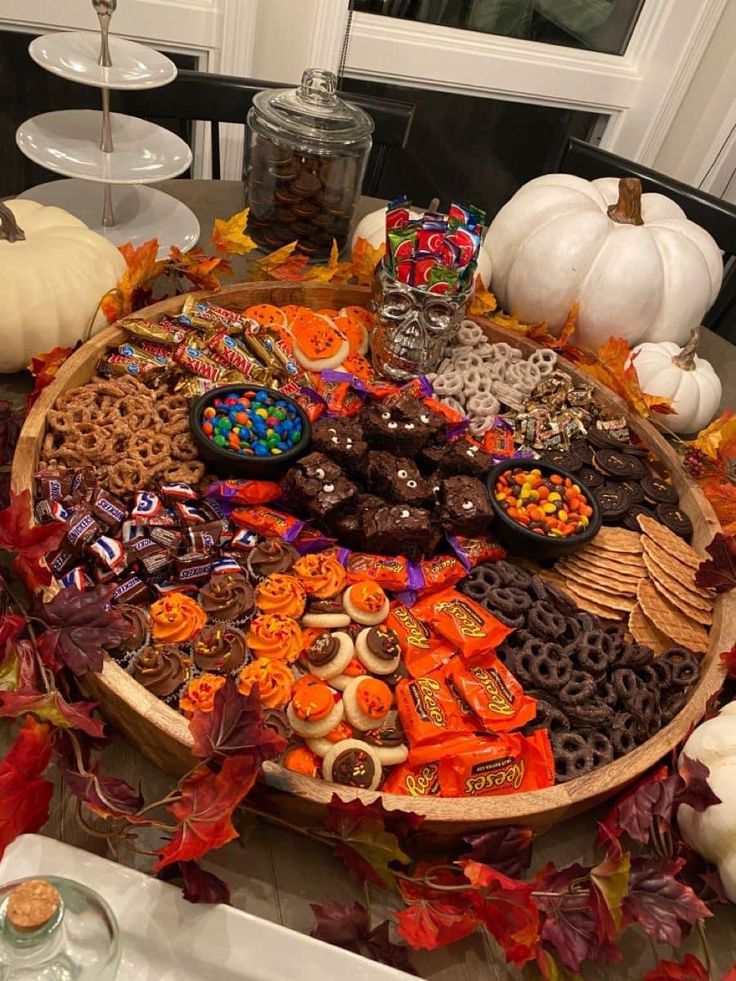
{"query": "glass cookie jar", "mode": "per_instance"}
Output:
(306, 152)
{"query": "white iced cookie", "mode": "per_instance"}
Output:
(353, 763)
(366, 603)
(329, 654)
(327, 613)
(388, 740)
(367, 702)
(323, 745)
(379, 649)
(306, 704)
(341, 681)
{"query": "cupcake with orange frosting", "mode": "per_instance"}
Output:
(199, 695)
(282, 594)
(176, 618)
(276, 636)
(315, 709)
(366, 603)
(321, 574)
(274, 680)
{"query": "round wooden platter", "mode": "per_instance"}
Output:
(162, 734)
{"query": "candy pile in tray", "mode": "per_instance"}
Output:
(436, 253)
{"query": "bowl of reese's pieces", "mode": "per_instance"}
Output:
(540, 510)
(249, 430)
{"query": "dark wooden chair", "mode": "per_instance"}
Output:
(716, 216)
(219, 99)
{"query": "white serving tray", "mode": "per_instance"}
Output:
(165, 938)
(68, 142)
(74, 55)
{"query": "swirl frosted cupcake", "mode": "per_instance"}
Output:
(176, 618)
(321, 575)
(272, 555)
(199, 695)
(281, 594)
(227, 597)
(139, 622)
(163, 670)
(274, 680)
(219, 648)
(276, 636)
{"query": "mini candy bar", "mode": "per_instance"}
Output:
(138, 354)
(193, 388)
(167, 537)
(146, 505)
(491, 692)
(392, 572)
(108, 509)
(164, 588)
(54, 485)
(43, 513)
(228, 493)
(156, 563)
(440, 571)
(164, 332)
(178, 491)
(397, 212)
(244, 540)
(269, 522)
(62, 560)
(193, 567)
(119, 364)
(422, 650)
(150, 347)
(84, 484)
(473, 551)
(186, 355)
(139, 546)
(131, 590)
(109, 552)
(506, 764)
(82, 528)
(206, 537)
(226, 566)
(462, 622)
(428, 712)
(209, 313)
(226, 351)
(58, 511)
(312, 540)
(413, 781)
(189, 513)
(131, 530)
(76, 577)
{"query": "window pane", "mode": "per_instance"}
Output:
(597, 25)
(478, 151)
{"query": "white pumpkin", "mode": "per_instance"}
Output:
(712, 832)
(678, 374)
(372, 227)
(53, 273)
(637, 267)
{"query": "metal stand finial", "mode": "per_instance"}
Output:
(104, 10)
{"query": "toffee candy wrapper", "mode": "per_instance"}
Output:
(491, 692)
(413, 781)
(428, 712)
(462, 622)
(507, 764)
(268, 521)
(422, 650)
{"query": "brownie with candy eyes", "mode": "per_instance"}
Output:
(464, 506)
(341, 440)
(399, 529)
(387, 428)
(462, 456)
(397, 478)
(346, 523)
(316, 485)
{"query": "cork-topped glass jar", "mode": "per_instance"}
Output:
(305, 156)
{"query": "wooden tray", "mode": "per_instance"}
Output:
(162, 735)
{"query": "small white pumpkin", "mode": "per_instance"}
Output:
(634, 263)
(53, 273)
(712, 832)
(679, 374)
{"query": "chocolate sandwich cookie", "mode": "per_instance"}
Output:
(629, 519)
(601, 440)
(634, 449)
(657, 490)
(590, 477)
(619, 465)
(634, 490)
(564, 459)
(674, 518)
(613, 500)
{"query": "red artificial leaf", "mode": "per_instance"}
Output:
(11, 629)
(11, 420)
(691, 969)
(435, 917)
(44, 368)
(636, 809)
(81, 624)
(24, 794)
(107, 797)
(728, 660)
(202, 270)
(134, 288)
(349, 927)
(51, 707)
(695, 789)
(665, 907)
(509, 849)
(205, 809)
(730, 974)
(365, 846)
(719, 572)
(234, 726)
(201, 886)
(573, 921)
(509, 912)
(29, 542)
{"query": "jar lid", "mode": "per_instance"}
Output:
(314, 112)
(32, 904)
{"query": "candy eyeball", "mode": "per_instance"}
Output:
(328, 488)
(468, 506)
(319, 472)
(403, 474)
(393, 425)
(335, 440)
(408, 425)
(385, 415)
(411, 483)
(424, 418)
(471, 451)
(405, 513)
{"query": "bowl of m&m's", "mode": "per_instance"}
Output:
(251, 430)
(541, 510)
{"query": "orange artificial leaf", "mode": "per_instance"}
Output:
(24, 794)
(609, 367)
(508, 322)
(326, 273)
(44, 368)
(230, 236)
(142, 269)
(363, 262)
(542, 335)
(483, 302)
(714, 439)
(198, 267)
(283, 263)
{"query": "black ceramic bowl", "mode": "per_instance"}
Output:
(517, 538)
(229, 463)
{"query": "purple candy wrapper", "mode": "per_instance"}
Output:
(408, 597)
(313, 540)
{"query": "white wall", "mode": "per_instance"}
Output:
(281, 55)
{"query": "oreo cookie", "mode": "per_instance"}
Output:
(564, 459)
(618, 465)
(657, 490)
(601, 440)
(634, 489)
(613, 500)
(590, 477)
(674, 518)
(633, 513)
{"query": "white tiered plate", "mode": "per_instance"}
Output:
(74, 55)
(141, 213)
(165, 938)
(68, 142)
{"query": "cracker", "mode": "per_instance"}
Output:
(683, 631)
(618, 540)
(585, 566)
(602, 597)
(678, 570)
(626, 560)
(625, 587)
(681, 590)
(693, 613)
(603, 612)
(644, 632)
(669, 541)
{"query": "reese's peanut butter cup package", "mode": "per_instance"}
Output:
(491, 692)
(423, 650)
(413, 781)
(428, 712)
(505, 764)
(462, 622)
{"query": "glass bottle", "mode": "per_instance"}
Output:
(305, 156)
(53, 929)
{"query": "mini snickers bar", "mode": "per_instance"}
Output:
(178, 491)
(130, 590)
(146, 505)
(83, 528)
(226, 566)
(108, 509)
(109, 552)
(193, 567)
(76, 577)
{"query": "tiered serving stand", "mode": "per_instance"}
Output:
(110, 158)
